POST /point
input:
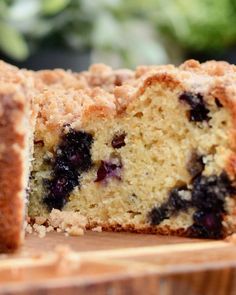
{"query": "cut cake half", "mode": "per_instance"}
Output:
(150, 151)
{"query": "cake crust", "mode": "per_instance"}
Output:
(11, 169)
(13, 121)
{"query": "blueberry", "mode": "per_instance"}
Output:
(206, 224)
(72, 157)
(75, 159)
(108, 169)
(210, 220)
(158, 214)
(75, 150)
(118, 140)
(173, 205)
(198, 111)
(61, 167)
(195, 165)
(53, 202)
(226, 184)
(175, 202)
(206, 196)
(62, 185)
(210, 192)
(78, 139)
(218, 103)
(199, 231)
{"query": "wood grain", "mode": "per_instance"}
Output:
(119, 263)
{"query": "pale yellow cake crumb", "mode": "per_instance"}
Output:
(97, 229)
(231, 239)
(40, 220)
(72, 223)
(40, 230)
(49, 228)
(75, 231)
(29, 229)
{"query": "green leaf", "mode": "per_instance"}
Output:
(50, 7)
(12, 42)
(198, 25)
(3, 9)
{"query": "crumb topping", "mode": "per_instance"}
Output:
(71, 223)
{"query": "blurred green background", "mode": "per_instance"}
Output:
(123, 33)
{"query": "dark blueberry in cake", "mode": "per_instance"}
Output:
(199, 231)
(109, 169)
(72, 157)
(207, 197)
(218, 103)
(75, 147)
(158, 214)
(195, 165)
(210, 192)
(61, 167)
(210, 220)
(226, 183)
(207, 224)
(198, 111)
(179, 199)
(53, 202)
(118, 140)
(60, 186)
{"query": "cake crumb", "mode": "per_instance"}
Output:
(40, 220)
(29, 229)
(37, 229)
(72, 223)
(97, 229)
(231, 239)
(40, 230)
(75, 231)
(49, 229)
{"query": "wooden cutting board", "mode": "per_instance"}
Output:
(119, 263)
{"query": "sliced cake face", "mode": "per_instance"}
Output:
(152, 158)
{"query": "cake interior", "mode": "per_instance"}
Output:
(147, 169)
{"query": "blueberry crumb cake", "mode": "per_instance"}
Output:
(151, 151)
(147, 151)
